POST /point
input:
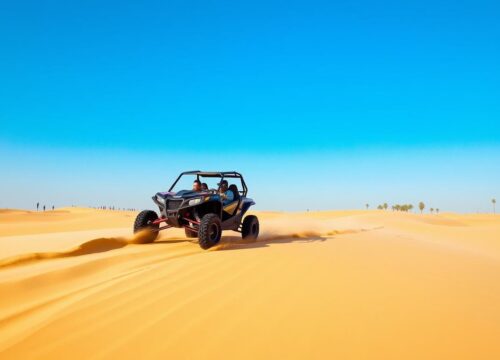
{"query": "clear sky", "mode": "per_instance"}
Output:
(320, 104)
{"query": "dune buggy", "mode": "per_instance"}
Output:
(203, 214)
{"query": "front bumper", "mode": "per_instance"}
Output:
(173, 210)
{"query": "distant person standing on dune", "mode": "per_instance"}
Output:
(43, 207)
(52, 207)
(37, 206)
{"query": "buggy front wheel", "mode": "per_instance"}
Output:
(145, 230)
(210, 231)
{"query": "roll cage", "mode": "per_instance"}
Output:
(215, 174)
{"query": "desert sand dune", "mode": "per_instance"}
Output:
(339, 284)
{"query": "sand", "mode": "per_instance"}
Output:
(318, 285)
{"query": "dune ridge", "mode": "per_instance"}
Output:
(89, 247)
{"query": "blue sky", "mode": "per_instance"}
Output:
(375, 101)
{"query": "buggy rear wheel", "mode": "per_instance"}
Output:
(250, 228)
(190, 233)
(143, 227)
(210, 231)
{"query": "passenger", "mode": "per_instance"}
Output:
(204, 187)
(197, 186)
(226, 195)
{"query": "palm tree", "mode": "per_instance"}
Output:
(385, 206)
(432, 210)
(410, 207)
(421, 206)
(380, 207)
(494, 201)
(397, 207)
(437, 211)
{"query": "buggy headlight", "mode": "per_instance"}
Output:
(194, 201)
(160, 200)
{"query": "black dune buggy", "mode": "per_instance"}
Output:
(202, 214)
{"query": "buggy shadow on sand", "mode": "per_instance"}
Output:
(203, 215)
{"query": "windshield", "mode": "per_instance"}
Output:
(186, 182)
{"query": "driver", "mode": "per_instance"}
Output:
(197, 186)
(226, 195)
